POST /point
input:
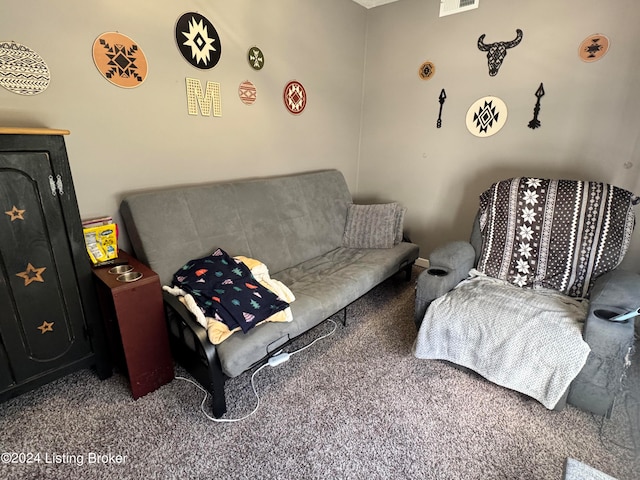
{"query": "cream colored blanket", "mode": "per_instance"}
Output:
(526, 340)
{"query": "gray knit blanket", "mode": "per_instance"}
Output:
(525, 340)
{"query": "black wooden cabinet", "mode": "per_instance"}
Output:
(50, 323)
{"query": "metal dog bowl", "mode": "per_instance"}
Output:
(129, 277)
(121, 269)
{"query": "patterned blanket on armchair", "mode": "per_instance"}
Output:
(558, 234)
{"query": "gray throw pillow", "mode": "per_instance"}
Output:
(370, 226)
(400, 211)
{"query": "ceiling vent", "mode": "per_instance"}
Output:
(449, 7)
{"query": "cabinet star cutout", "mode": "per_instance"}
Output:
(32, 274)
(15, 213)
(46, 327)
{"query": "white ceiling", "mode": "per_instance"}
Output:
(373, 3)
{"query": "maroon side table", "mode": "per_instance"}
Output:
(134, 318)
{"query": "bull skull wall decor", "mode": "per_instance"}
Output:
(497, 51)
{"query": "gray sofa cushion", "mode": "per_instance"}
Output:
(322, 286)
(399, 227)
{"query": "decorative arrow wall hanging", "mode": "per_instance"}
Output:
(441, 99)
(535, 123)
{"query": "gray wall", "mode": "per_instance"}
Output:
(590, 113)
(130, 139)
(380, 133)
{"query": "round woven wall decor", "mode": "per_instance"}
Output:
(295, 97)
(255, 57)
(120, 60)
(594, 47)
(198, 41)
(247, 92)
(22, 70)
(426, 70)
(486, 116)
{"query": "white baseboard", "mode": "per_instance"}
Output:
(422, 262)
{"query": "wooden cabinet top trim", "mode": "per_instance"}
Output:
(32, 131)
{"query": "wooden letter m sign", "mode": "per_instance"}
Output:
(211, 98)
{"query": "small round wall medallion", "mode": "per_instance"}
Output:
(255, 57)
(295, 97)
(593, 48)
(247, 92)
(426, 70)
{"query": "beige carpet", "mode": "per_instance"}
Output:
(353, 406)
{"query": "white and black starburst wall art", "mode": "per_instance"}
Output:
(198, 41)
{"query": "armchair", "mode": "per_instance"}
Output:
(527, 302)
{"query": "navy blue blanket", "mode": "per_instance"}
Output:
(225, 289)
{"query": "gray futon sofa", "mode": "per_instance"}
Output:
(295, 225)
